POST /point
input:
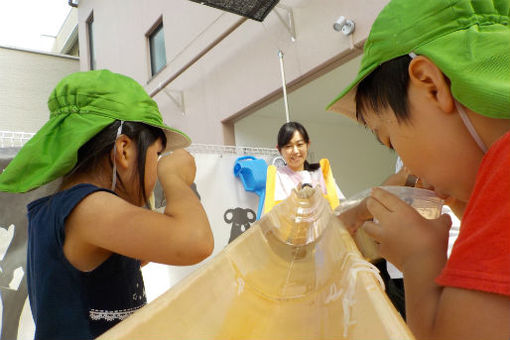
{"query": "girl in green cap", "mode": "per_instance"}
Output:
(86, 242)
(434, 85)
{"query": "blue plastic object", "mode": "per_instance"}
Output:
(252, 172)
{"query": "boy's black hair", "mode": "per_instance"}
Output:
(386, 86)
(285, 135)
(92, 152)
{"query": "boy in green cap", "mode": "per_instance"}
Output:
(104, 139)
(434, 85)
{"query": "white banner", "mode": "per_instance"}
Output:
(229, 207)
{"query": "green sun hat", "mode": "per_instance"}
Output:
(469, 40)
(81, 105)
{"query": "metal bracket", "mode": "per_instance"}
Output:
(177, 98)
(288, 22)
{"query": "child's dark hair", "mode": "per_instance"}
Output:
(285, 135)
(101, 145)
(386, 86)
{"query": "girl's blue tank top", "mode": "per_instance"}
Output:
(66, 302)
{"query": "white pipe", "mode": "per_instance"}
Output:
(284, 87)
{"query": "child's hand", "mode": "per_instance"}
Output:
(181, 163)
(402, 232)
(354, 217)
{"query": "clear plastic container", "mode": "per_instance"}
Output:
(426, 202)
(295, 274)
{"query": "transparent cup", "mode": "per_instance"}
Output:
(426, 202)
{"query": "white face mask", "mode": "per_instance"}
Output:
(114, 176)
(465, 120)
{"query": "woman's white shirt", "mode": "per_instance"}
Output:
(287, 179)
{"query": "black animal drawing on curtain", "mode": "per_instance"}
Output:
(240, 219)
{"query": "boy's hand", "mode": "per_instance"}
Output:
(402, 232)
(180, 163)
(354, 217)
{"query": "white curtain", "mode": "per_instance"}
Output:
(226, 203)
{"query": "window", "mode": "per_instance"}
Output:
(92, 53)
(157, 49)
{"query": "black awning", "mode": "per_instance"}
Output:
(253, 9)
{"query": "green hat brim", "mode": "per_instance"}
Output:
(53, 151)
(345, 102)
(471, 49)
(175, 139)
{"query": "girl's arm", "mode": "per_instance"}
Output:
(103, 223)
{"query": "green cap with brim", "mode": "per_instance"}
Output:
(81, 105)
(468, 40)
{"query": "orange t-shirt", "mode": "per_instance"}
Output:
(480, 259)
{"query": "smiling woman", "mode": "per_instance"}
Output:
(293, 144)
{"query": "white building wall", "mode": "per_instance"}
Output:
(67, 35)
(238, 71)
(26, 81)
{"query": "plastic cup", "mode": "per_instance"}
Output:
(426, 202)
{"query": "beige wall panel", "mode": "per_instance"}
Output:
(67, 31)
(26, 81)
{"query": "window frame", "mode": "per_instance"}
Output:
(157, 27)
(90, 42)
